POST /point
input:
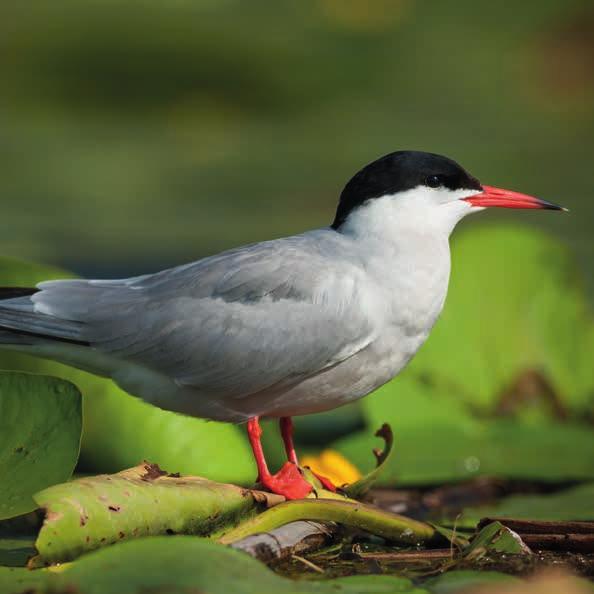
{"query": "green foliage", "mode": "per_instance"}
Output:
(16, 550)
(182, 564)
(92, 512)
(40, 425)
(515, 310)
(121, 430)
(212, 130)
(495, 538)
(576, 503)
(515, 303)
(463, 580)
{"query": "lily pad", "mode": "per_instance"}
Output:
(443, 450)
(181, 564)
(576, 503)
(456, 581)
(40, 426)
(92, 512)
(15, 550)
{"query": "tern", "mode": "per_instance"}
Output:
(287, 327)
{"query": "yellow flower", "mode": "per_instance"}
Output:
(333, 466)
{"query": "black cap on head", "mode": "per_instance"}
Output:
(397, 172)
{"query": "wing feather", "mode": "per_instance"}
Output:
(230, 325)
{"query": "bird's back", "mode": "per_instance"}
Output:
(257, 318)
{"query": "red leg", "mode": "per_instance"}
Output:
(288, 481)
(286, 427)
(254, 435)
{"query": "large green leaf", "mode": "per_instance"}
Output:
(576, 503)
(92, 512)
(16, 550)
(461, 581)
(182, 564)
(120, 431)
(515, 305)
(40, 427)
(515, 302)
(442, 451)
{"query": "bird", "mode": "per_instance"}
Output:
(286, 327)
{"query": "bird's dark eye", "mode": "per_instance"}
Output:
(434, 181)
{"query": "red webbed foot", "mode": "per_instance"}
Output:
(288, 482)
(326, 482)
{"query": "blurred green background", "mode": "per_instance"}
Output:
(139, 135)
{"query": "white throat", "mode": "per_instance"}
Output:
(422, 212)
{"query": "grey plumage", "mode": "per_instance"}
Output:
(227, 327)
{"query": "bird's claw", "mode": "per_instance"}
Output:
(326, 482)
(288, 482)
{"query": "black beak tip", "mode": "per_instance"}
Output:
(551, 206)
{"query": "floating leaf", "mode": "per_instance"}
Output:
(576, 503)
(40, 425)
(458, 581)
(442, 451)
(183, 564)
(15, 551)
(138, 430)
(91, 512)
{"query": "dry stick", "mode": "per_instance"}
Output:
(541, 527)
(309, 564)
(569, 543)
(563, 536)
(409, 556)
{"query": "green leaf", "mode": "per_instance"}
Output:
(120, 430)
(16, 550)
(453, 582)
(40, 426)
(443, 451)
(576, 503)
(183, 564)
(138, 430)
(495, 538)
(92, 512)
(515, 302)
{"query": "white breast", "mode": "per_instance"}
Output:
(405, 289)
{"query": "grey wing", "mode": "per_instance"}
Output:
(229, 326)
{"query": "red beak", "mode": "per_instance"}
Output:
(491, 196)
